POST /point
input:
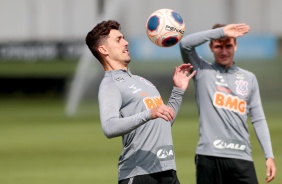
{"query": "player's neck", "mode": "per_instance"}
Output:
(115, 66)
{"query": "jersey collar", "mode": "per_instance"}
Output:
(116, 72)
(222, 69)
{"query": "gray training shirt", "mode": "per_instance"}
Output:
(125, 102)
(225, 97)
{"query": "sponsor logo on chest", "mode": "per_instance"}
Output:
(223, 97)
(229, 102)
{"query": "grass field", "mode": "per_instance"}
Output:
(40, 145)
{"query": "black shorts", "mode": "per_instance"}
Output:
(165, 177)
(218, 170)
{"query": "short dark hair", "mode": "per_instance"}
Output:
(98, 34)
(217, 25)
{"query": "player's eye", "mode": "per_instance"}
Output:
(119, 38)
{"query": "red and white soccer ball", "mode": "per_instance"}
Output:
(165, 27)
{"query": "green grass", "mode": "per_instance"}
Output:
(39, 144)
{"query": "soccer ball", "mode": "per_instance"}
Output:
(165, 27)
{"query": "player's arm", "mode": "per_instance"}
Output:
(236, 30)
(258, 120)
(270, 170)
(189, 42)
(181, 78)
(262, 133)
(262, 130)
(113, 124)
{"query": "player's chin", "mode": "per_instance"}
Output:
(128, 60)
(224, 62)
(126, 56)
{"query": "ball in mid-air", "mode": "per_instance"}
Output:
(165, 27)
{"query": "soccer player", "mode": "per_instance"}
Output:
(225, 96)
(132, 107)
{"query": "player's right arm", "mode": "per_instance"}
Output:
(113, 122)
(110, 103)
(189, 42)
(236, 30)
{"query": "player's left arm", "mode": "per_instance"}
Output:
(181, 78)
(262, 131)
(270, 170)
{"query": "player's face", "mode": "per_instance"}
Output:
(117, 48)
(223, 51)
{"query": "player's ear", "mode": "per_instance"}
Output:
(102, 49)
(235, 46)
(210, 45)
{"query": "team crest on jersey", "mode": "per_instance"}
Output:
(146, 81)
(120, 79)
(239, 75)
(241, 87)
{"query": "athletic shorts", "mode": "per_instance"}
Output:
(218, 170)
(165, 177)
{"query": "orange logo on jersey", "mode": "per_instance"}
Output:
(229, 102)
(151, 102)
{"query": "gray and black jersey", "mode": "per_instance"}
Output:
(225, 98)
(125, 102)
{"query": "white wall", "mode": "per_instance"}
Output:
(45, 19)
(72, 19)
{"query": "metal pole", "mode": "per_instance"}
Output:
(231, 11)
(101, 4)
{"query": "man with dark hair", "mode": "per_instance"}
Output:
(226, 95)
(131, 107)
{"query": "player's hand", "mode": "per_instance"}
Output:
(181, 76)
(236, 30)
(164, 112)
(270, 170)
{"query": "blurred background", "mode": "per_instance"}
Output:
(50, 129)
